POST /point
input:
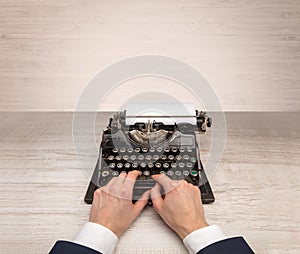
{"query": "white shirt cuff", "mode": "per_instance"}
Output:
(97, 237)
(201, 238)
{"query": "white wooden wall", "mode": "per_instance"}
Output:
(248, 50)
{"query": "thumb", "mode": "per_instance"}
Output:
(157, 200)
(142, 202)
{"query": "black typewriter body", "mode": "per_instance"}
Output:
(152, 148)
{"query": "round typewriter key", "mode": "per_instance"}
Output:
(145, 150)
(171, 157)
(141, 157)
(189, 149)
(137, 150)
(158, 165)
(182, 150)
(178, 173)
(115, 150)
(115, 173)
(133, 157)
(112, 165)
(178, 157)
(163, 157)
(123, 172)
(110, 157)
(167, 150)
(143, 164)
(135, 165)
(166, 165)
(148, 157)
(119, 165)
(150, 165)
(125, 157)
(174, 165)
(130, 150)
(189, 165)
(194, 173)
(170, 173)
(185, 173)
(181, 165)
(127, 165)
(162, 172)
(186, 157)
(155, 157)
(193, 159)
(118, 157)
(146, 173)
(159, 149)
(122, 150)
(151, 149)
(105, 173)
(174, 149)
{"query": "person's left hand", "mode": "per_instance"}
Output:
(112, 205)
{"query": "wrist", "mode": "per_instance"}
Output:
(184, 231)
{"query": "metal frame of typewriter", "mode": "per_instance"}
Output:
(151, 135)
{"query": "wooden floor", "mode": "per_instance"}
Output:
(257, 186)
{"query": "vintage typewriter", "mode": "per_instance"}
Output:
(153, 144)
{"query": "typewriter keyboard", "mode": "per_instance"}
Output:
(176, 163)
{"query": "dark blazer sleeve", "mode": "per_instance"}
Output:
(236, 245)
(64, 247)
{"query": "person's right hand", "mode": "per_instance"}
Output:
(181, 208)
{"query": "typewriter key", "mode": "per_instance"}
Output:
(115, 150)
(186, 157)
(127, 165)
(141, 157)
(166, 165)
(189, 149)
(122, 150)
(182, 150)
(125, 157)
(137, 150)
(178, 157)
(178, 173)
(181, 165)
(150, 165)
(189, 165)
(151, 149)
(174, 149)
(146, 173)
(162, 172)
(167, 150)
(115, 173)
(130, 150)
(194, 173)
(144, 149)
(123, 172)
(143, 164)
(110, 157)
(148, 157)
(159, 149)
(118, 157)
(170, 173)
(171, 157)
(185, 173)
(155, 157)
(174, 165)
(193, 159)
(135, 165)
(163, 157)
(133, 157)
(119, 165)
(105, 173)
(158, 165)
(112, 165)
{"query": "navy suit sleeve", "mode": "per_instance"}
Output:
(236, 245)
(64, 247)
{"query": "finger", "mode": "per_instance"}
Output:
(156, 197)
(110, 183)
(121, 178)
(130, 180)
(165, 182)
(142, 202)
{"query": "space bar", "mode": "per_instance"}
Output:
(144, 184)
